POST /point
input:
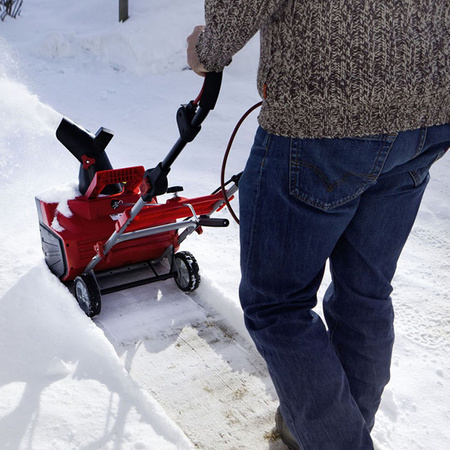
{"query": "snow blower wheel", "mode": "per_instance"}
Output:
(88, 294)
(188, 276)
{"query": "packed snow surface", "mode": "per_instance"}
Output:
(159, 369)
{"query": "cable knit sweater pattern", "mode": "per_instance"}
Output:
(336, 68)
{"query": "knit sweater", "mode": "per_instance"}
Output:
(335, 68)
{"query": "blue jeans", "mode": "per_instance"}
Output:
(353, 202)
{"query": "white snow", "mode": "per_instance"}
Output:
(159, 369)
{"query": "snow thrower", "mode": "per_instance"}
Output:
(117, 235)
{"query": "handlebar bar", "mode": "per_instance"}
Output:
(210, 90)
(189, 119)
(208, 98)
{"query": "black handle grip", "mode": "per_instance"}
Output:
(209, 222)
(211, 89)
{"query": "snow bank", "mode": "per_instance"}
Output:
(151, 41)
(61, 382)
(26, 122)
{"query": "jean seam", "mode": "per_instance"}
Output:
(423, 136)
(376, 137)
(293, 157)
(391, 144)
(268, 140)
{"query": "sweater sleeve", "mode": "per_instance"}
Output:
(229, 25)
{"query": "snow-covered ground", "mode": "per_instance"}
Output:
(159, 369)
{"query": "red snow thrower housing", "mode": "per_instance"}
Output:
(117, 235)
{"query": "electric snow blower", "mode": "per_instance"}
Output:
(117, 235)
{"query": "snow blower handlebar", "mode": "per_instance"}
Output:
(189, 120)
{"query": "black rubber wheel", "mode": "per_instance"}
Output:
(88, 294)
(188, 276)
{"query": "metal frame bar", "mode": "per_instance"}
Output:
(120, 235)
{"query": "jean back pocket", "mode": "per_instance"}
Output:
(327, 173)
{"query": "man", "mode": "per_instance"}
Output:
(356, 108)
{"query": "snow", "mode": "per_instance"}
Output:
(159, 369)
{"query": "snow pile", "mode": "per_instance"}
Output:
(141, 45)
(25, 122)
(69, 382)
(61, 382)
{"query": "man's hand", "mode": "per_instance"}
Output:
(192, 56)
